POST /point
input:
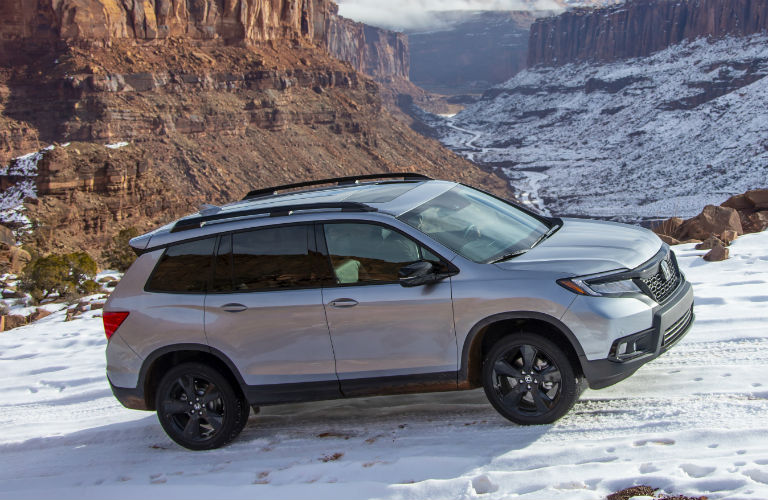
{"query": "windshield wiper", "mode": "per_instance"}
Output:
(509, 256)
(546, 235)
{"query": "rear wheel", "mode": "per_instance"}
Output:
(529, 379)
(198, 407)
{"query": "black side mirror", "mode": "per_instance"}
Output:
(418, 273)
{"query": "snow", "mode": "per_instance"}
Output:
(11, 199)
(644, 149)
(692, 421)
(117, 145)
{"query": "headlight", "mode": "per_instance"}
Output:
(601, 285)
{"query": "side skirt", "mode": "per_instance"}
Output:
(273, 394)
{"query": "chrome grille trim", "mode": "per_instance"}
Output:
(660, 288)
(674, 332)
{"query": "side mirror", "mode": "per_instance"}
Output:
(418, 273)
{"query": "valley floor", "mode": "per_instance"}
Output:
(692, 422)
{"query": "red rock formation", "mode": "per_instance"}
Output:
(380, 53)
(103, 21)
(740, 214)
(639, 28)
(377, 52)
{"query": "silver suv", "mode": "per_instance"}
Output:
(379, 285)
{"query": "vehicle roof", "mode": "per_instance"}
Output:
(391, 198)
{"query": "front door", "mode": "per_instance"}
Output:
(265, 312)
(385, 335)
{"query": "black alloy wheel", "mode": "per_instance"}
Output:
(529, 379)
(198, 408)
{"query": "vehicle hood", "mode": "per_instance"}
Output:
(583, 247)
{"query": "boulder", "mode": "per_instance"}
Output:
(718, 253)
(728, 236)
(758, 198)
(713, 220)
(39, 314)
(12, 321)
(756, 222)
(739, 202)
(668, 227)
(7, 236)
(668, 239)
(709, 243)
(13, 259)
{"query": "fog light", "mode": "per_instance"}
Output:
(632, 346)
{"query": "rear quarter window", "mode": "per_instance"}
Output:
(183, 268)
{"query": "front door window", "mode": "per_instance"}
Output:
(368, 253)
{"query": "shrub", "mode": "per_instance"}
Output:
(63, 275)
(120, 256)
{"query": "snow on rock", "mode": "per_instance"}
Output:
(24, 170)
(117, 145)
(692, 421)
(650, 137)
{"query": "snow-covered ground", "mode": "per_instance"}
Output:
(658, 136)
(693, 421)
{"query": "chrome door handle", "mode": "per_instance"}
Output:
(344, 303)
(234, 308)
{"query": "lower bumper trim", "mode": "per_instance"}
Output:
(130, 397)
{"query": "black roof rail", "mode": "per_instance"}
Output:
(256, 193)
(277, 211)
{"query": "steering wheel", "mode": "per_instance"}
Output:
(471, 233)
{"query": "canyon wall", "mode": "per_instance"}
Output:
(103, 21)
(639, 28)
(374, 51)
(33, 27)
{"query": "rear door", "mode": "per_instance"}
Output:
(265, 312)
(379, 328)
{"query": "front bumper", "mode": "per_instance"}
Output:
(671, 323)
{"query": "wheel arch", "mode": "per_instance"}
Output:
(164, 358)
(487, 331)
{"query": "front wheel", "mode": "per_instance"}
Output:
(198, 408)
(529, 379)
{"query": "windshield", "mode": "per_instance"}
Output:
(475, 225)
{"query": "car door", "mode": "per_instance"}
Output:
(265, 312)
(385, 335)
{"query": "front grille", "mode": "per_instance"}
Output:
(674, 332)
(661, 288)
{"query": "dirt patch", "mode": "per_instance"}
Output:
(646, 491)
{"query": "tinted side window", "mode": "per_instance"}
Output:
(183, 268)
(368, 253)
(222, 275)
(275, 258)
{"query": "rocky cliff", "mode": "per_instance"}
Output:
(104, 21)
(25, 26)
(639, 28)
(379, 53)
(188, 119)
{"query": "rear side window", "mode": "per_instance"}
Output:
(269, 259)
(184, 268)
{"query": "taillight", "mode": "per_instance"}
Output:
(112, 321)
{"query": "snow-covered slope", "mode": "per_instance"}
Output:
(650, 137)
(692, 421)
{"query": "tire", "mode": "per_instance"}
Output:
(530, 380)
(198, 407)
